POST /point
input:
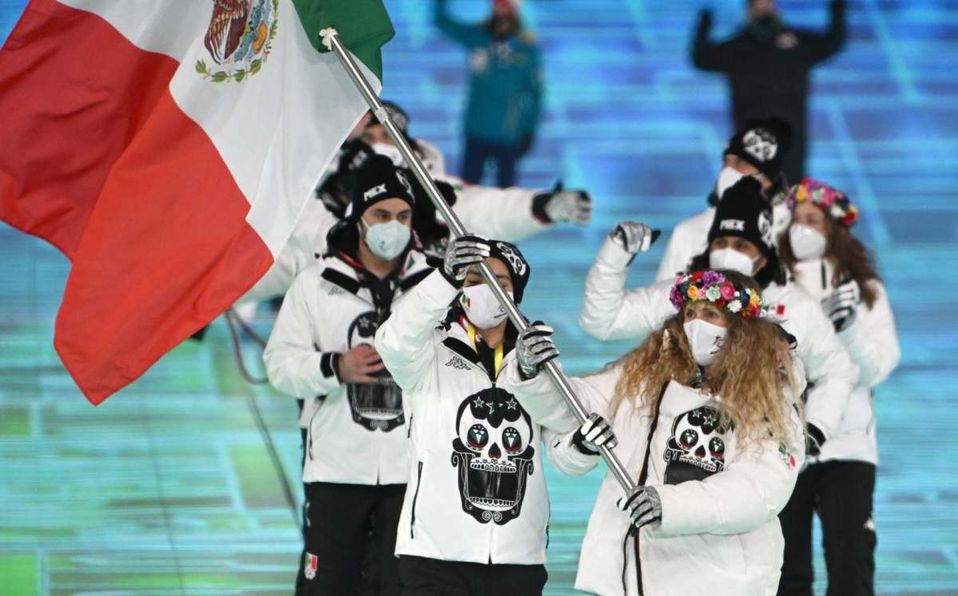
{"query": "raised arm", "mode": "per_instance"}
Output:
(611, 312)
(820, 47)
(707, 55)
(469, 35)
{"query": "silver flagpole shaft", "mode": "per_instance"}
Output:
(331, 40)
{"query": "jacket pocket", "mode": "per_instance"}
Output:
(415, 497)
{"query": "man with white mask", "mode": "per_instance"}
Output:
(476, 514)
(756, 151)
(739, 239)
(355, 462)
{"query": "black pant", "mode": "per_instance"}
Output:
(841, 493)
(478, 152)
(339, 519)
(432, 577)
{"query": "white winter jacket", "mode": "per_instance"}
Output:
(690, 239)
(357, 433)
(872, 343)
(611, 312)
(719, 532)
(476, 490)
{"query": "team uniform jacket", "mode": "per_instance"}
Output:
(690, 239)
(872, 343)
(611, 312)
(476, 490)
(357, 433)
(719, 532)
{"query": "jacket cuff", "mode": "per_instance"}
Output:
(614, 256)
(539, 207)
(329, 365)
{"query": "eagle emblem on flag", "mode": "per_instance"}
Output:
(238, 39)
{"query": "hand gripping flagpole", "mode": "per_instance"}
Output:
(331, 41)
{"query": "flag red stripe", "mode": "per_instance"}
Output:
(74, 91)
(165, 251)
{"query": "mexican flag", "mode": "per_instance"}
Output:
(166, 147)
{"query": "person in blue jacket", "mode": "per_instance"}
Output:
(505, 89)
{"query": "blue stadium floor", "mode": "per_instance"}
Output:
(169, 488)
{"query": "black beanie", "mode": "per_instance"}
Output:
(519, 269)
(377, 180)
(743, 211)
(762, 143)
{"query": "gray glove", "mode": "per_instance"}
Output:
(842, 305)
(461, 253)
(569, 205)
(594, 433)
(534, 347)
(643, 506)
(634, 237)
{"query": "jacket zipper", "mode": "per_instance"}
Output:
(415, 497)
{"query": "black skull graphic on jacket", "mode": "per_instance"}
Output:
(375, 406)
(697, 447)
(493, 451)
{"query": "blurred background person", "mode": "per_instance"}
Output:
(505, 89)
(767, 66)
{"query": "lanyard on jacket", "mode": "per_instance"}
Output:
(497, 353)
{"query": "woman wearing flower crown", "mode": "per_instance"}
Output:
(706, 426)
(823, 256)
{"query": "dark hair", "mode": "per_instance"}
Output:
(852, 260)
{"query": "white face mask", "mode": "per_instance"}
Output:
(807, 243)
(387, 240)
(390, 151)
(727, 178)
(705, 339)
(733, 260)
(482, 308)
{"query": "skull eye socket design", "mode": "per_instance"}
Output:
(477, 437)
(717, 448)
(512, 440)
(689, 438)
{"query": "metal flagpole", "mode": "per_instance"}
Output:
(331, 40)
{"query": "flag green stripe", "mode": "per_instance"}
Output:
(363, 26)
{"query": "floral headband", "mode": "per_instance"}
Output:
(718, 290)
(826, 198)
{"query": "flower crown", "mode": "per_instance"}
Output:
(718, 290)
(835, 204)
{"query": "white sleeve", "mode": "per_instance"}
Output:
(403, 341)
(829, 369)
(609, 311)
(565, 457)
(295, 363)
(497, 213)
(750, 492)
(872, 340)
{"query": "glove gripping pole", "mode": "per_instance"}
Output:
(331, 40)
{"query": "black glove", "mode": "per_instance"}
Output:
(594, 433)
(814, 439)
(462, 253)
(534, 347)
(643, 506)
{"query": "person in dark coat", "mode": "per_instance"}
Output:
(767, 65)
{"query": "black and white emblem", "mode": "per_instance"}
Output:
(493, 451)
(697, 447)
(760, 144)
(375, 406)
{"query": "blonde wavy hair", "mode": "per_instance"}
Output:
(749, 377)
